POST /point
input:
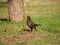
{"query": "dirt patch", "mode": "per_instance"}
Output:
(20, 38)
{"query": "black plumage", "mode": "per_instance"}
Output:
(31, 24)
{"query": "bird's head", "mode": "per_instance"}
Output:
(28, 18)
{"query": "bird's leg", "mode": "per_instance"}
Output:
(35, 28)
(30, 30)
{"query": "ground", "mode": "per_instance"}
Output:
(44, 12)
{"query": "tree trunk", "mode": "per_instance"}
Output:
(16, 10)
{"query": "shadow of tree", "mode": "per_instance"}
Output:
(4, 19)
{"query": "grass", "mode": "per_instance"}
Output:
(48, 15)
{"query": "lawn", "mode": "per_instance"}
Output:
(44, 12)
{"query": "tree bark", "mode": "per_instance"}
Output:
(16, 10)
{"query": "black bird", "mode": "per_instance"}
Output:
(31, 24)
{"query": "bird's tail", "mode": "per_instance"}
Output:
(37, 24)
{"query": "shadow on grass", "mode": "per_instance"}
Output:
(26, 30)
(4, 20)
